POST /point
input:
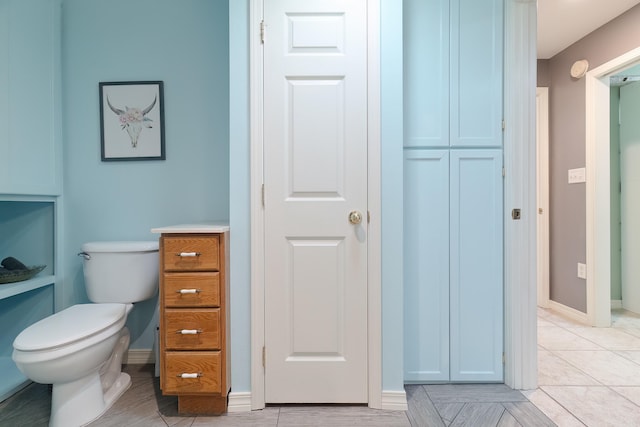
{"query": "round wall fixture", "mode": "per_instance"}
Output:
(579, 68)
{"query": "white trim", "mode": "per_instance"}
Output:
(542, 160)
(616, 304)
(142, 356)
(257, 212)
(597, 144)
(569, 312)
(239, 402)
(520, 192)
(374, 273)
(394, 401)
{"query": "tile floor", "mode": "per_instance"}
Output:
(143, 405)
(588, 376)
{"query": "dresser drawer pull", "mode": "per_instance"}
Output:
(187, 375)
(188, 254)
(189, 331)
(189, 291)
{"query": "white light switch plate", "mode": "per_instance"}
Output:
(577, 175)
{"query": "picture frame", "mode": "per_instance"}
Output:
(132, 120)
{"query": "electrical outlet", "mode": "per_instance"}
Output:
(582, 270)
(577, 175)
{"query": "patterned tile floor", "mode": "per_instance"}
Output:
(436, 405)
(587, 377)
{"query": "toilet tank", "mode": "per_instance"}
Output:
(120, 272)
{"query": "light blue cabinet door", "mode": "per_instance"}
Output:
(30, 157)
(426, 271)
(476, 265)
(426, 73)
(476, 73)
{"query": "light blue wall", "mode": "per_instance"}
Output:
(185, 44)
(391, 128)
(239, 206)
(392, 193)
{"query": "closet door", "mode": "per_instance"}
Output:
(476, 280)
(476, 73)
(426, 71)
(426, 271)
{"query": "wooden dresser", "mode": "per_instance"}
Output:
(194, 316)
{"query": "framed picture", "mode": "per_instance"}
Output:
(132, 121)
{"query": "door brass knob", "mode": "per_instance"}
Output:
(355, 217)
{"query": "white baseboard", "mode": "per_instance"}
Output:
(394, 401)
(391, 401)
(616, 304)
(569, 312)
(239, 402)
(142, 356)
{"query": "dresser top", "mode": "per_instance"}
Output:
(202, 227)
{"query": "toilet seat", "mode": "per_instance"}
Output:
(78, 323)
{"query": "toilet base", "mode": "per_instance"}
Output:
(80, 402)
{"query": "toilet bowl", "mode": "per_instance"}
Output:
(79, 350)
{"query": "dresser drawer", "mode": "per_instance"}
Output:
(192, 289)
(188, 253)
(192, 372)
(196, 329)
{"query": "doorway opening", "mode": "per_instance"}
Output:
(598, 197)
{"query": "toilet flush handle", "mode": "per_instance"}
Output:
(84, 255)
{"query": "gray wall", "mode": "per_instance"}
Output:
(544, 79)
(567, 151)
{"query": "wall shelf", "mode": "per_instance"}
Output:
(8, 290)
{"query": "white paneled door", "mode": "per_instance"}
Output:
(315, 175)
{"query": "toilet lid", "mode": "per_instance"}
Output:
(67, 326)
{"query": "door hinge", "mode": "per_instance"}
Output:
(368, 217)
(264, 356)
(262, 195)
(262, 31)
(504, 359)
(504, 172)
(504, 125)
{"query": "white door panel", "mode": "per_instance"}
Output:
(315, 145)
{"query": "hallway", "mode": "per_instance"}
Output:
(588, 376)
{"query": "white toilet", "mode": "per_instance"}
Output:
(79, 350)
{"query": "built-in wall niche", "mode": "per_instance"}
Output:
(27, 233)
(17, 313)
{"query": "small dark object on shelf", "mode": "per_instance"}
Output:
(10, 263)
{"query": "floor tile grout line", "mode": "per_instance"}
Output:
(562, 406)
(553, 352)
(622, 395)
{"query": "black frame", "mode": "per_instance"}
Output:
(122, 100)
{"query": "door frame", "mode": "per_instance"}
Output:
(542, 180)
(597, 150)
(374, 289)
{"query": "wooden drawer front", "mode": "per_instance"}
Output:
(192, 289)
(205, 366)
(191, 253)
(197, 329)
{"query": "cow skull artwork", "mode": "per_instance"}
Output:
(133, 119)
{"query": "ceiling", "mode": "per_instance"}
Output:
(563, 22)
